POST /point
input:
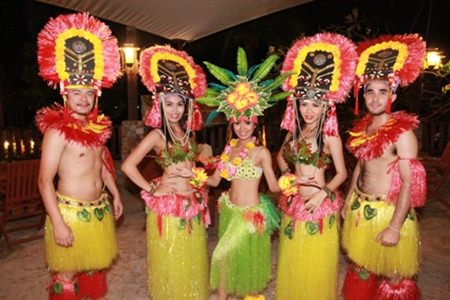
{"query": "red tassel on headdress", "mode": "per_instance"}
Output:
(92, 284)
(288, 121)
(60, 289)
(153, 118)
(405, 290)
(197, 120)
(357, 288)
(330, 128)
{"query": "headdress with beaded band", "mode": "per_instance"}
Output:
(245, 94)
(166, 70)
(394, 58)
(77, 51)
(323, 69)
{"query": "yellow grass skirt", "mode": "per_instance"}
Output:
(92, 225)
(177, 258)
(308, 259)
(364, 221)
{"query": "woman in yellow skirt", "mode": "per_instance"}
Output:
(176, 209)
(323, 68)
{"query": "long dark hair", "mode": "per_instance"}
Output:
(182, 122)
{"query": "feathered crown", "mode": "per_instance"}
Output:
(395, 58)
(323, 68)
(77, 50)
(244, 94)
(166, 70)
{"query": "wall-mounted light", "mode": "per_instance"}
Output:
(434, 58)
(129, 55)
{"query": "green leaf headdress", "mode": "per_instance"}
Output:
(245, 94)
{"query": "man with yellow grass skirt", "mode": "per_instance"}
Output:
(176, 207)
(241, 261)
(381, 233)
(323, 68)
(78, 53)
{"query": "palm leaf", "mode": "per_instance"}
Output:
(277, 81)
(265, 67)
(212, 115)
(208, 101)
(242, 64)
(216, 87)
(252, 70)
(279, 96)
(219, 73)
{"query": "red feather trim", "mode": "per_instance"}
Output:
(367, 147)
(348, 58)
(414, 61)
(94, 133)
(198, 89)
(407, 289)
(359, 284)
(418, 190)
(92, 285)
(330, 128)
(82, 21)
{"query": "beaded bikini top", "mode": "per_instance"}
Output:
(304, 155)
(245, 170)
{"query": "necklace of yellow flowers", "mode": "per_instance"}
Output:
(228, 170)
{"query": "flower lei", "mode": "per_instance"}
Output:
(367, 147)
(227, 170)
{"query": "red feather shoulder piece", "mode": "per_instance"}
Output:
(367, 147)
(94, 133)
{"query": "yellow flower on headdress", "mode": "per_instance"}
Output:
(242, 97)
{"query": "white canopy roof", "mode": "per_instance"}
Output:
(187, 20)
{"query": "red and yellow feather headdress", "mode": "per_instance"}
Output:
(77, 50)
(397, 59)
(323, 69)
(166, 70)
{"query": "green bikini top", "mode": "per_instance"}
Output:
(305, 156)
(176, 153)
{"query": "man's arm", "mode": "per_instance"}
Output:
(53, 146)
(406, 148)
(110, 183)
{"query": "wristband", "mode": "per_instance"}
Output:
(394, 229)
(286, 170)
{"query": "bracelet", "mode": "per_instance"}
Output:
(394, 229)
(286, 170)
(151, 188)
(327, 190)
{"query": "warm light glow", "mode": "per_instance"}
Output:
(6, 145)
(434, 58)
(130, 54)
(31, 146)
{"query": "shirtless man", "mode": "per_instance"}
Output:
(80, 235)
(380, 231)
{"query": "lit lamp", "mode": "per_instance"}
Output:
(129, 55)
(130, 66)
(434, 58)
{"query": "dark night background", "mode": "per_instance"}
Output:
(22, 91)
